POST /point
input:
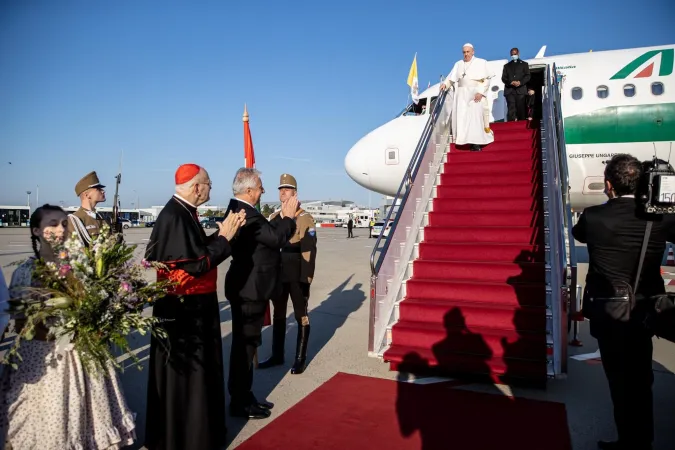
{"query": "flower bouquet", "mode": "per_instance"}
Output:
(89, 299)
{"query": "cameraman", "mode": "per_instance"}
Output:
(614, 233)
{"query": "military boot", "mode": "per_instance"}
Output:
(301, 350)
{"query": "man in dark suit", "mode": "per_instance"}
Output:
(252, 280)
(515, 76)
(614, 233)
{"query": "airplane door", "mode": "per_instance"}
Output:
(497, 100)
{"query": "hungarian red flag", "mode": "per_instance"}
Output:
(249, 156)
(249, 163)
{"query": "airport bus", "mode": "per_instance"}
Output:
(14, 216)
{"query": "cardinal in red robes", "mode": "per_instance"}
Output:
(186, 395)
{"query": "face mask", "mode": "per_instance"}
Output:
(514, 57)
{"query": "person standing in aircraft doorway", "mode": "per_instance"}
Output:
(515, 77)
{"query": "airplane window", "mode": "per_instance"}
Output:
(391, 157)
(416, 109)
(495, 88)
(603, 92)
(629, 90)
(577, 93)
(657, 88)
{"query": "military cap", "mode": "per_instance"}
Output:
(288, 181)
(89, 181)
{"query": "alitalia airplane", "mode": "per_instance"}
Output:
(618, 101)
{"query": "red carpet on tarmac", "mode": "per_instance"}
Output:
(354, 412)
(476, 302)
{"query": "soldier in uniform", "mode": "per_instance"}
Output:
(298, 259)
(86, 221)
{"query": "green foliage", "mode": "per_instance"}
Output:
(267, 210)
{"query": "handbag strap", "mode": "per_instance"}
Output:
(645, 242)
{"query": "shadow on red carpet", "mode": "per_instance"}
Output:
(355, 412)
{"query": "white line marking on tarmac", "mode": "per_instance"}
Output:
(429, 380)
(587, 356)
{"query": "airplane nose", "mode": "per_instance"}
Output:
(356, 165)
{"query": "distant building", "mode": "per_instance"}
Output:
(332, 211)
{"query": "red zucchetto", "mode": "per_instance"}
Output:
(186, 172)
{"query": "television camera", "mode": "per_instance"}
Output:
(657, 191)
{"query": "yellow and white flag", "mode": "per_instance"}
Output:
(412, 80)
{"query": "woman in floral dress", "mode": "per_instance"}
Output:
(49, 402)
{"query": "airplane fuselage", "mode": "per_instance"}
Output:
(620, 101)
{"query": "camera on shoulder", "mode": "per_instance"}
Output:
(657, 188)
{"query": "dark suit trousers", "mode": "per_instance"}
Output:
(516, 106)
(627, 360)
(247, 321)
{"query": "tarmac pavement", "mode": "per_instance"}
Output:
(338, 342)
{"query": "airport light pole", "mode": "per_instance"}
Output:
(138, 199)
(28, 192)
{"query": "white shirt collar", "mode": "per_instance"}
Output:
(244, 201)
(183, 200)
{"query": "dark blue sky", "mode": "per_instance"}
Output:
(166, 82)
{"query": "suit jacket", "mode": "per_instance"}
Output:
(256, 255)
(614, 233)
(516, 71)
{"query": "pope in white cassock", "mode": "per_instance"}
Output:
(471, 110)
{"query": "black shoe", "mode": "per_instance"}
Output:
(260, 403)
(250, 412)
(278, 339)
(475, 148)
(265, 405)
(272, 361)
(301, 350)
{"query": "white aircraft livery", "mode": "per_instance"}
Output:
(618, 101)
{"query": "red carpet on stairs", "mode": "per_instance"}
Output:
(351, 412)
(475, 304)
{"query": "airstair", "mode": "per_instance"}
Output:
(477, 276)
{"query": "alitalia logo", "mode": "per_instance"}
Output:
(665, 69)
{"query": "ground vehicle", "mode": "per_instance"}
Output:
(377, 229)
(210, 222)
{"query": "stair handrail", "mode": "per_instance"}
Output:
(574, 301)
(556, 219)
(384, 292)
(406, 182)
